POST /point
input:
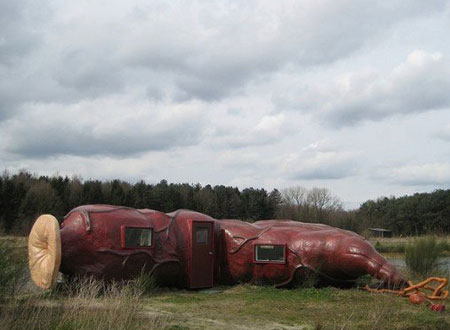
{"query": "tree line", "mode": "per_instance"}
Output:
(24, 196)
(421, 213)
(410, 215)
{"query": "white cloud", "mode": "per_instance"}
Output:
(444, 133)
(428, 174)
(270, 129)
(114, 127)
(182, 50)
(199, 91)
(419, 84)
(318, 161)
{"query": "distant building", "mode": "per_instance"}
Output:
(380, 232)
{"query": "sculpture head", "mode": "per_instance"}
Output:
(391, 276)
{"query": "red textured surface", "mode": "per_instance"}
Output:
(91, 244)
(98, 251)
(335, 254)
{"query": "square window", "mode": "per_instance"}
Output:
(138, 237)
(269, 253)
(201, 235)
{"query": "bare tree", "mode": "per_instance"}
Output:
(294, 196)
(314, 205)
(321, 199)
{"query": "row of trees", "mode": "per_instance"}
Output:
(410, 215)
(24, 196)
(419, 214)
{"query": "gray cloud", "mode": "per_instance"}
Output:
(194, 90)
(444, 133)
(20, 22)
(91, 75)
(330, 171)
(193, 50)
(435, 174)
(268, 130)
(221, 54)
(321, 161)
(419, 84)
(92, 130)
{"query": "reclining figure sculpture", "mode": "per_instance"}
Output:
(192, 250)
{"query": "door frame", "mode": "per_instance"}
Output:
(194, 282)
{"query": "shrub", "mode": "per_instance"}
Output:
(144, 284)
(12, 266)
(422, 256)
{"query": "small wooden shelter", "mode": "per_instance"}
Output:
(380, 232)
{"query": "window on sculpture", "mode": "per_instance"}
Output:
(138, 237)
(269, 253)
(201, 235)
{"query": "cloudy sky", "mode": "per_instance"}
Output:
(353, 96)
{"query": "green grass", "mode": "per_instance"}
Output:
(398, 245)
(13, 261)
(89, 304)
(422, 256)
(266, 308)
(241, 306)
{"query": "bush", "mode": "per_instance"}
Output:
(12, 266)
(144, 284)
(422, 256)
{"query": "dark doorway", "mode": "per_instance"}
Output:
(202, 266)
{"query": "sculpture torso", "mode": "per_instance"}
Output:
(93, 243)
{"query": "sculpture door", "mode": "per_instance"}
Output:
(202, 265)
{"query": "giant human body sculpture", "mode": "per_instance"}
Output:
(192, 250)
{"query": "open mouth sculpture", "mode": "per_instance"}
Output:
(192, 250)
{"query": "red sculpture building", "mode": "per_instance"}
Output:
(192, 250)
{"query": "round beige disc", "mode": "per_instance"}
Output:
(44, 251)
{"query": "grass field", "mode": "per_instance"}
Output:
(399, 244)
(251, 307)
(90, 306)
(234, 307)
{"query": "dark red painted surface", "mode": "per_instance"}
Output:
(202, 262)
(93, 244)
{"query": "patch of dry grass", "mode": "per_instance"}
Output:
(84, 304)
